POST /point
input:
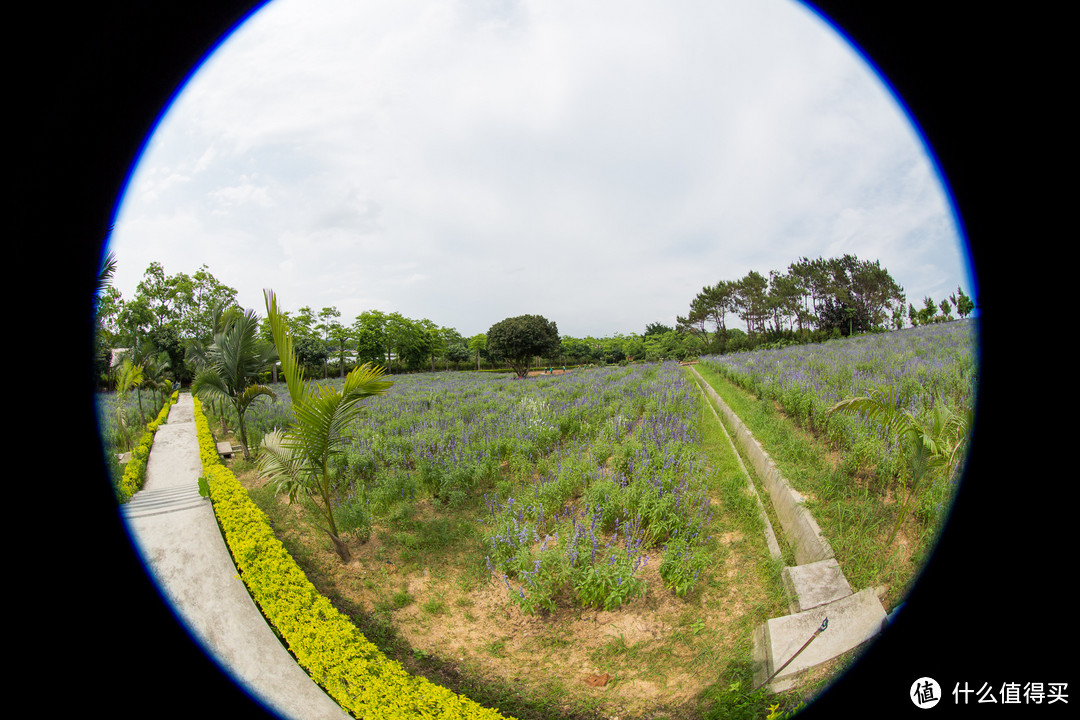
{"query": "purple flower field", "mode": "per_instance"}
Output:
(928, 365)
(582, 476)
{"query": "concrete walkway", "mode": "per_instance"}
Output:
(177, 535)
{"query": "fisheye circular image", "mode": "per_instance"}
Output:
(536, 359)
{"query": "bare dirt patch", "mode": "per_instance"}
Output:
(657, 651)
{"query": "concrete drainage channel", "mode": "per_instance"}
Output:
(827, 618)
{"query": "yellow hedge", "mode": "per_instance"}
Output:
(326, 644)
(135, 471)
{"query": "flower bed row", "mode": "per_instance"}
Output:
(135, 471)
(337, 656)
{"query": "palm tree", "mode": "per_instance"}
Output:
(233, 362)
(222, 316)
(298, 459)
(130, 375)
(105, 275)
(932, 446)
(157, 371)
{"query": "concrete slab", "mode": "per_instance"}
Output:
(177, 535)
(853, 620)
(802, 531)
(813, 584)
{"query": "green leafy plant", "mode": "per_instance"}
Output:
(234, 360)
(683, 562)
(130, 376)
(326, 643)
(299, 458)
(135, 472)
(932, 446)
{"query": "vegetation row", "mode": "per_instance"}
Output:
(172, 318)
(325, 642)
(927, 369)
(810, 301)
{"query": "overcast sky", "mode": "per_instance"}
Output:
(596, 163)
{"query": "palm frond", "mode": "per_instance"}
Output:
(282, 464)
(882, 406)
(290, 361)
(252, 392)
(209, 386)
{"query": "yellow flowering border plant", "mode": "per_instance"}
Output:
(333, 651)
(134, 475)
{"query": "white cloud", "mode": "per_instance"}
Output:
(596, 161)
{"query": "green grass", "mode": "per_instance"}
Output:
(848, 504)
(434, 606)
(415, 537)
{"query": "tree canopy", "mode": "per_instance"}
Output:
(518, 340)
(844, 294)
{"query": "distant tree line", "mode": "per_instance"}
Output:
(811, 301)
(171, 321)
(928, 313)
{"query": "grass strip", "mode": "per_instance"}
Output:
(854, 512)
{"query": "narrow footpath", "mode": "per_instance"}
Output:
(177, 535)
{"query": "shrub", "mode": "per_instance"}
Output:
(135, 471)
(325, 643)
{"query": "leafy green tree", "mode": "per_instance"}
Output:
(149, 361)
(670, 345)
(327, 322)
(578, 350)
(478, 346)
(302, 324)
(457, 352)
(751, 299)
(964, 304)
(454, 349)
(633, 347)
(222, 316)
(203, 295)
(158, 376)
(129, 376)
(412, 343)
(946, 309)
(298, 459)
(928, 313)
(845, 293)
(172, 311)
(340, 337)
(656, 328)
(811, 281)
(372, 338)
(518, 340)
(327, 317)
(783, 300)
(312, 351)
(932, 446)
(234, 362)
(612, 349)
(898, 316)
(429, 339)
(710, 307)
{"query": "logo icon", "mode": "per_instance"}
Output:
(925, 692)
